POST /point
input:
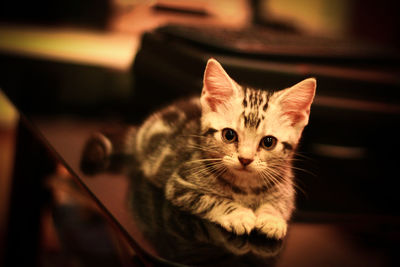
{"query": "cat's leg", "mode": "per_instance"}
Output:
(107, 150)
(271, 221)
(229, 214)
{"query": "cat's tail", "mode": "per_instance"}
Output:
(110, 150)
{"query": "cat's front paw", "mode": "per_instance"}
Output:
(271, 226)
(239, 221)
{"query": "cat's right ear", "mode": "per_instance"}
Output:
(296, 101)
(218, 87)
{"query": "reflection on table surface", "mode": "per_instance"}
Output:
(163, 232)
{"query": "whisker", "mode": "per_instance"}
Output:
(193, 135)
(202, 169)
(199, 172)
(304, 170)
(273, 170)
(281, 164)
(209, 166)
(220, 170)
(204, 160)
(269, 176)
(216, 171)
(200, 146)
(275, 175)
(299, 189)
(203, 148)
(265, 179)
(302, 156)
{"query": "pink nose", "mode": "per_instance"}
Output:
(245, 161)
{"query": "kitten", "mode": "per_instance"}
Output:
(226, 157)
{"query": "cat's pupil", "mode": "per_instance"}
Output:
(229, 135)
(268, 142)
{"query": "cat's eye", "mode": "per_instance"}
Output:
(229, 135)
(268, 142)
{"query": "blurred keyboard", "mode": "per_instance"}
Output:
(268, 43)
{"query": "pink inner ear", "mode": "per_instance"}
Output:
(296, 103)
(213, 103)
(218, 86)
(217, 99)
(297, 100)
(296, 110)
(295, 117)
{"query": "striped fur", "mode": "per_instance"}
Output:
(182, 149)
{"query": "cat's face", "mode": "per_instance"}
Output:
(254, 132)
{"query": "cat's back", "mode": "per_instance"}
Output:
(161, 140)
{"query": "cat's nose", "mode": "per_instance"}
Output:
(245, 161)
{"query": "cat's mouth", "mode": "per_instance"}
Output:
(242, 169)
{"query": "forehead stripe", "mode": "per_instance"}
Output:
(245, 98)
(253, 102)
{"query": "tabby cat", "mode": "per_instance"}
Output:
(226, 156)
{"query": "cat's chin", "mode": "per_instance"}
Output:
(243, 177)
(245, 170)
(241, 171)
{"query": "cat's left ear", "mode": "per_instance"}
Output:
(218, 87)
(296, 101)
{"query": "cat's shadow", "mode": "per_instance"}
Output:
(183, 238)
